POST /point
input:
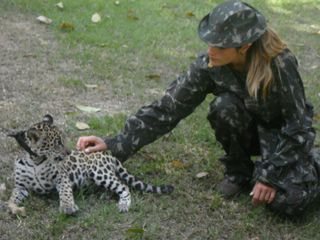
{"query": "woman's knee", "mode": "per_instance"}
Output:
(227, 110)
(291, 203)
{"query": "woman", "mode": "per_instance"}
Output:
(259, 109)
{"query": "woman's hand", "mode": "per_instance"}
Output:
(90, 144)
(262, 193)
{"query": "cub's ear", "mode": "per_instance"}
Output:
(33, 135)
(15, 134)
(47, 118)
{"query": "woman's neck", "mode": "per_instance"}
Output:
(239, 64)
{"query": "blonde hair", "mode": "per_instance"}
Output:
(259, 58)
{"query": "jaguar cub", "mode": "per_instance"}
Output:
(47, 165)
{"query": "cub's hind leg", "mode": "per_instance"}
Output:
(111, 182)
(124, 195)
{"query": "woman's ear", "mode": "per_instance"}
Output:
(243, 49)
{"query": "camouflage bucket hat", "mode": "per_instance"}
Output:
(232, 24)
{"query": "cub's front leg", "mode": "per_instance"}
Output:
(67, 204)
(18, 194)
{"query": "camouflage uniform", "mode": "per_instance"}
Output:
(279, 127)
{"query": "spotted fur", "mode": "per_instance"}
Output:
(48, 165)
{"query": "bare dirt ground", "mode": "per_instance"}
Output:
(30, 67)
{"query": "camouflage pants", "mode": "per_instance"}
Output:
(294, 200)
(236, 130)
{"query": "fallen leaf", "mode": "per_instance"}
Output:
(135, 233)
(165, 5)
(314, 66)
(202, 174)
(43, 42)
(82, 126)
(96, 18)
(190, 14)
(153, 76)
(178, 164)
(131, 15)
(154, 91)
(60, 5)
(66, 26)
(91, 85)
(88, 109)
(44, 20)
(3, 188)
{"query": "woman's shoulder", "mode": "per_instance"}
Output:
(285, 58)
(285, 68)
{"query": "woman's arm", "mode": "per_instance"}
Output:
(296, 136)
(154, 120)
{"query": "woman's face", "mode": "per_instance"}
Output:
(222, 56)
(235, 57)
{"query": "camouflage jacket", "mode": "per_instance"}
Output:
(284, 118)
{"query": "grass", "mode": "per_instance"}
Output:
(140, 46)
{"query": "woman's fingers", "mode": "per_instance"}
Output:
(262, 193)
(272, 196)
(91, 144)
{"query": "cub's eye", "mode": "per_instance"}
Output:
(33, 135)
(58, 141)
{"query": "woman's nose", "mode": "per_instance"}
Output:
(211, 50)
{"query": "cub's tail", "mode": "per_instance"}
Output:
(140, 185)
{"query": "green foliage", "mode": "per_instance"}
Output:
(134, 233)
(71, 83)
(107, 125)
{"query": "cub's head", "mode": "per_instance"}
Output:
(42, 141)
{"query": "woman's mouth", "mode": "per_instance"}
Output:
(211, 62)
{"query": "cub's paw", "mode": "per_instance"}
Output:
(124, 205)
(16, 210)
(69, 210)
